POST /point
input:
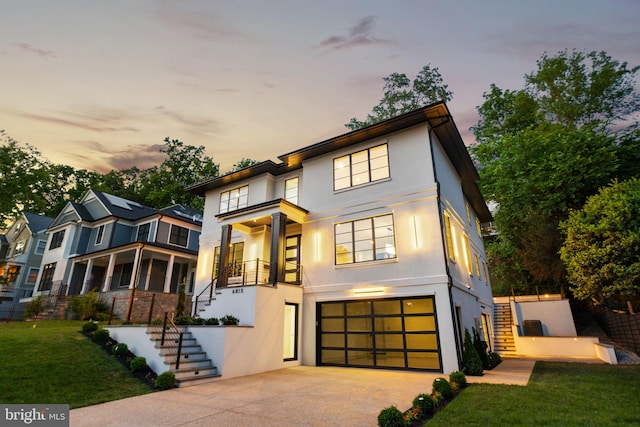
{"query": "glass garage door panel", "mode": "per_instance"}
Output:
(387, 333)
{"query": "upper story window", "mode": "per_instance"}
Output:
(291, 190)
(179, 235)
(19, 250)
(360, 168)
(100, 235)
(143, 232)
(234, 199)
(449, 235)
(56, 239)
(368, 239)
(40, 247)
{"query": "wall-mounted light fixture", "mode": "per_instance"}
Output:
(369, 291)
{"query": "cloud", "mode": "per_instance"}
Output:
(203, 124)
(78, 121)
(26, 47)
(197, 23)
(359, 35)
(103, 158)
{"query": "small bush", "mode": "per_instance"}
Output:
(212, 321)
(166, 380)
(88, 306)
(481, 348)
(197, 321)
(391, 417)
(157, 322)
(472, 362)
(33, 307)
(437, 398)
(228, 319)
(183, 320)
(442, 386)
(494, 360)
(138, 363)
(120, 349)
(458, 377)
(100, 336)
(89, 327)
(424, 403)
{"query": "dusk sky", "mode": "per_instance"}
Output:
(100, 84)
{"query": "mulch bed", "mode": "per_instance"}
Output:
(146, 375)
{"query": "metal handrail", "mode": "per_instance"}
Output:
(169, 328)
(196, 305)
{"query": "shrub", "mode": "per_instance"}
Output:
(458, 377)
(120, 349)
(228, 319)
(87, 306)
(138, 363)
(494, 359)
(472, 362)
(212, 321)
(391, 417)
(442, 386)
(100, 336)
(181, 299)
(89, 327)
(157, 322)
(34, 306)
(424, 403)
(481, 348)
(197, 321)
(437, 398)
(166, 380)
(183, 320)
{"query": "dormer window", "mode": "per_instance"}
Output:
(360, 168)
(234, 199)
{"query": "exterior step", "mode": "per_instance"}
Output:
(200, 379)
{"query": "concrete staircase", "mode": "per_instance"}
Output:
(503, 342)
(194, 367)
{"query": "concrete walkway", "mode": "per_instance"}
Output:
(299, 396)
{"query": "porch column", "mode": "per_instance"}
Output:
(168, 274)
(87, 277)
(225, 243)
(276, 258)
(109, 274)
(134, 270)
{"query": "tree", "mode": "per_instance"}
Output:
(401, 95)
(185, 165)
(602, 247)
(540, 156)
(242, 164)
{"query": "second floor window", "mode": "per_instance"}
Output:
(40, 247)
(56, 239)
(291, 190)
(360, 168)
(179, 236)
(100, 235)
(19, 250)
(368, 239)
(234, 199)
(143, 232)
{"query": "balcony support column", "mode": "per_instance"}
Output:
(223, 262)
(276, 259)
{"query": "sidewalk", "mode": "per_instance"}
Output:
(299, 396)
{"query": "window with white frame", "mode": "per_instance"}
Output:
(99, 235)
(449, 235)
(32, 276)
(367, 239)
(234, 199)
(291, 190)
(40, 247)
(362, 167)
(467, 253)
(143, 232)
(47, 276)
(19, 249)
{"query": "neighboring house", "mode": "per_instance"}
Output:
(22, 248)
(113, 245)
(362, 250)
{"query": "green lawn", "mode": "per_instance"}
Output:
(55, 363)
(558, 394)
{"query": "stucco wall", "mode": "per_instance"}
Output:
(555, 316)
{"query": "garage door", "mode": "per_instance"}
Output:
(379, 333)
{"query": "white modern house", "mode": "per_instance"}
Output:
(363, 250)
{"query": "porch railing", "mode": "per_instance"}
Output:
(256, 272)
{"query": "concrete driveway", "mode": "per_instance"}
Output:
(299, 396)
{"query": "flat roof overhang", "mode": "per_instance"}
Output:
(259, 215)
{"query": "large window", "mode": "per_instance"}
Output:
(234, 199)
(235, 259)
(291, 190)
(47, 276)
(179, 235)
(361, 167)
(56, 239)
(368, 239)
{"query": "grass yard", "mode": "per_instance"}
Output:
(558, 394)
(55, 363)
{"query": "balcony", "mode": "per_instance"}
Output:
(257, 272)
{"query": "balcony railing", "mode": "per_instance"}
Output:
(256, 272)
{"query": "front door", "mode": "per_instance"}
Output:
(292, 269)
